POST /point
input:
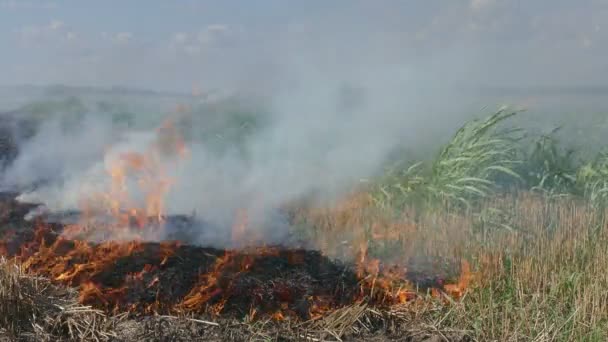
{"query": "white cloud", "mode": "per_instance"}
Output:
(478, 5)
(56, 25)
(180, 38)
(480, 30)
(123, 37)
(24, 4)
(54, 31)
(195, 43)
(420, 35)
(217, 28)
(212, 33)
(586, 42)
(117, 38)
(192, 49)
(29, 32)
(473, 26)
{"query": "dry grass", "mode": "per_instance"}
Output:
(541, 264)
(340, 231)
(544, 281)
(32, 309)
(540, 274)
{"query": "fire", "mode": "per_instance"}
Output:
(133, 173)
(152, 181)
(457, 290)
(278, 316)
(207, 286)
(385, 284)
(169, 277)
(140, 278)
(320, 306)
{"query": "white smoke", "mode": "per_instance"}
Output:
(314, 143)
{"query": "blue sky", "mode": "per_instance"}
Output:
(174, 45)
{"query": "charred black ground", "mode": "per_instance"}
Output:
(172, 277)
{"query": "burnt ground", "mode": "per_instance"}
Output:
(148, 279)
(164, 277)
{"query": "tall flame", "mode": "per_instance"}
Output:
(133, 173)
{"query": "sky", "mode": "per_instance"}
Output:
(178, 45)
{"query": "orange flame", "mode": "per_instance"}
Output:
(148, 171)
(457, 290)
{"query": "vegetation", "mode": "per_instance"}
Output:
(483, 159)
(33, 309)
(479, 159)
(527, 214)
(540, 266)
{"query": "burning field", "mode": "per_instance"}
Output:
(173, 278)
(129, 261)
(472, 245)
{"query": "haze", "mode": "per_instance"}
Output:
(419, 65)
(175, 45)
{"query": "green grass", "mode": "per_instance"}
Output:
(481, 158)
(488, 157)
(592, 177)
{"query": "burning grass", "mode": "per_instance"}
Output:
(168, 278)
(304, 290)
(31, 308)
(470, 263)
(539, 263)
(538, 272)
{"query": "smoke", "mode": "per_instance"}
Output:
(323, 134)
(342, 93)
(333, 118)
(55, 155)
